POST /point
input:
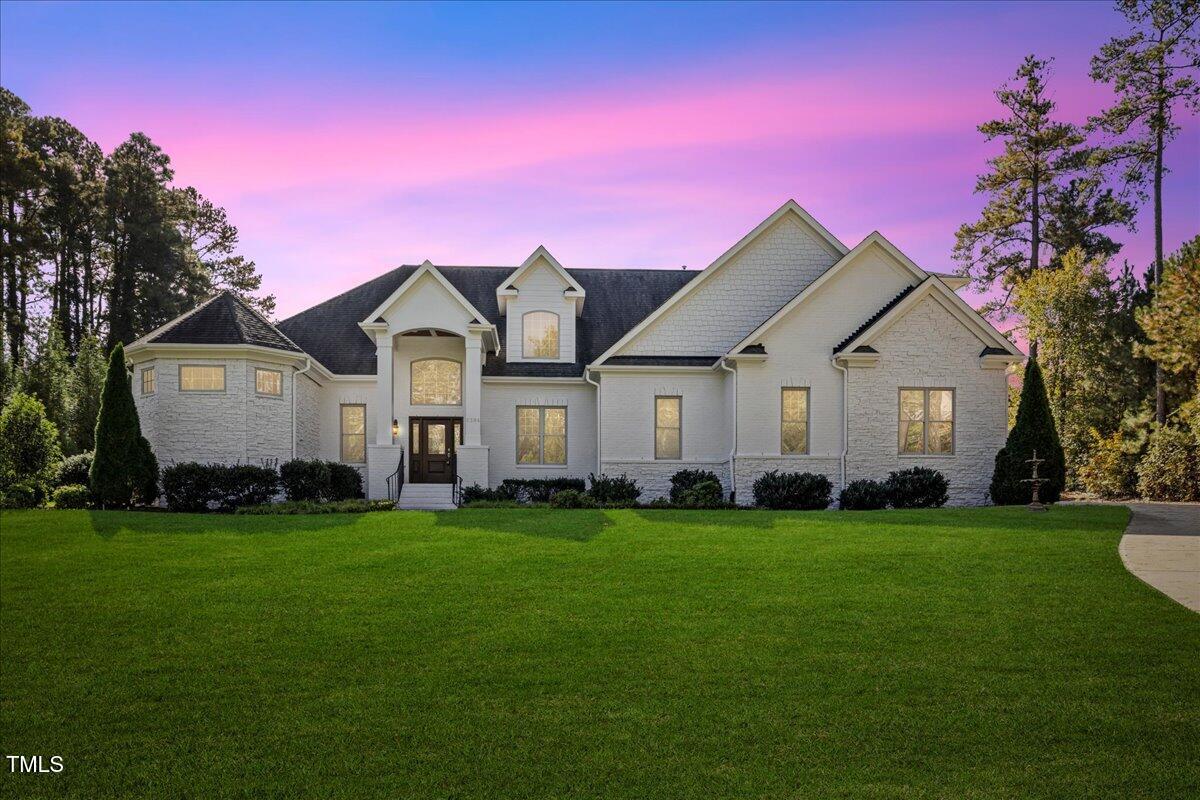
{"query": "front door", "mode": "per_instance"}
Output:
(432, 445)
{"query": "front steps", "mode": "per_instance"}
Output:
(427, 497)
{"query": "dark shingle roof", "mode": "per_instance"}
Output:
(225, 320)
(754, 349)
(874, 318)
(662, 361)
(617, 299)
(993, 351)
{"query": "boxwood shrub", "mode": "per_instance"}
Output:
(73, 470)
(799, 491)
(608, 490)
(189, 486)
(536, 490)
(303, 479)
(72, 495)
(685, 479)
(864, 495)
(571, 498)
(917, 487)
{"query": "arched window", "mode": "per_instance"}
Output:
(540, 329)
(435, 382)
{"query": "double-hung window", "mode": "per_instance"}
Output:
(668, 427)
(268, 382)
(926, 425)
(149, 381)
(793, 434)
(354, 433)
(541, 435)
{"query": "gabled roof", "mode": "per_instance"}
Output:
(790, 208)
(509, 286)
(426, 268)
(874, 239)
(900, 306)
(872, 320)
(223, 319)
(617, 300)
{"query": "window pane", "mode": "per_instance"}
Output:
(541, 334)
(458, 433)
(941, 437)
(795, 437)
(353, 449)
(149, 382)
(527, 449)
(436, 382)
(795, 405)
(415, 439)
(666, 443)
(556, 421)
(435, 439)
(354, 420)
(268, 381)
(666, 414)
(528, 421)
(201, 379)
(912, 404)
(941, 405)
(911, 434)
(555, 449)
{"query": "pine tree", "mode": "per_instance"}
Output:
(120, 468)
(1034, 430)
(87, 385)
(49, 379)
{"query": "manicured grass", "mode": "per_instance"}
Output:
(643, 654)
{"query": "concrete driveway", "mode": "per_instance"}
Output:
(1161, 546)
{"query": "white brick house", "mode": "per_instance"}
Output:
(790, 352)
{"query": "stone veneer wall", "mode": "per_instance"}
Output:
(654, 477)
(308, 417)
(929, 348)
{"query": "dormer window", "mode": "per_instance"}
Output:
(540, 329)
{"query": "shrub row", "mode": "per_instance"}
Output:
(918, 487)
(312, 507)
(201, 487)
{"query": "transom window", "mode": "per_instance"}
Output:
(926, 421)
(435, 382)
(195, 378)
(541, 435)
(668, 427)
(793, 435)
(268, 381)
(540, 330)
(354, 433)
(149, 381)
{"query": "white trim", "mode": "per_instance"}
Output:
(791, 207)
(948, 300)
(573, 291)
(651, 367)
(427, 268)
(955, 282)
(874, 239)
(526, 379)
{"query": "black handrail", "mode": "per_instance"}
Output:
(456, 491)
(394, 495)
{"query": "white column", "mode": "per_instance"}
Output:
(472, 388)
(383, 388)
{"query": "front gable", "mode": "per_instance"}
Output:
(540, 285)
(747, 284)
(426, 301)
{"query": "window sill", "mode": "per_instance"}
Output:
(926, 455)
(540, 466)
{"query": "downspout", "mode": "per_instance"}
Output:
(587, 377)
(307, 366)
(845, 414)
(733, 449)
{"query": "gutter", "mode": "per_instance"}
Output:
(733, 448)
(845, 414)
(307, 366)
(587, 377)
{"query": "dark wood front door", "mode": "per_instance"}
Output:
(433, 442)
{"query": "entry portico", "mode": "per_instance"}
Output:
(422, 328)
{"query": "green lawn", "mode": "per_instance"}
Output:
(643, 654)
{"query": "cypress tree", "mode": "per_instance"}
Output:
(1034, 430)
(122, 464)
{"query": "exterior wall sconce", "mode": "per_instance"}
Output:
(395, 428)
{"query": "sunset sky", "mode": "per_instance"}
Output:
(348, 139)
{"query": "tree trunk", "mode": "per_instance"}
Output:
(1035, 239)
(1160, 393)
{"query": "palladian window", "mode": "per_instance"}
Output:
(926, 421)
(540, 335)
(436, 382)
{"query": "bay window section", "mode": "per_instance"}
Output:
(195, 378)
(541, 435)
(926, 424)
(268, 382)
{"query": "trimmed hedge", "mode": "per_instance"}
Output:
(917, 487)
(702, 494)
(537, 490)
(72, 495)
(1170, 470)
(864, 495)
(320, 481)
(20, 495)
(198, 487)
(310, 507)
(620, 490)
(685, 479)
(571, 498)
(799, 491)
